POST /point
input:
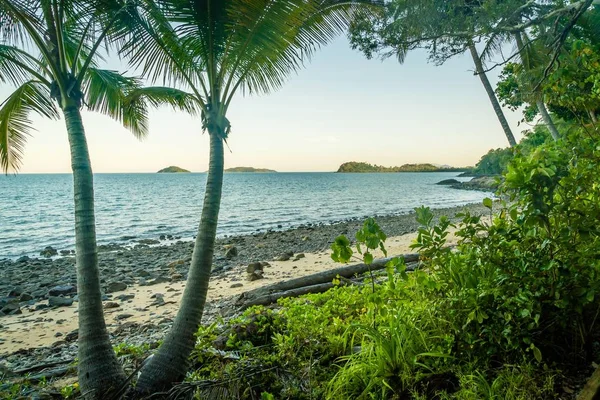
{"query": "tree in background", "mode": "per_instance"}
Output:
(445, 29)
(49, 51)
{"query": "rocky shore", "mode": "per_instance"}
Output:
(40, 295)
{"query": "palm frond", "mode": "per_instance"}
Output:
(157, 96)
(15, 125)
(18, 67)
(106, 91)
(271, 39)
(152, 46)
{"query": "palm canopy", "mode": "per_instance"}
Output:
(217, 48)
(49, 52)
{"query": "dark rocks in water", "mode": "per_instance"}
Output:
(48, 252)
(448, 182)
(484, 183)
(23, 259)
(231, 252)
(65, 252)
(55, 301)
(62, 290)
(116, 287)
(148, 241)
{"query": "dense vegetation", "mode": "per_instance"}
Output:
(508, 313)
(354, 166)
(248, 169)
(172, 169)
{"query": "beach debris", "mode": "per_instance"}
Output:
(56, 301)
(116, 287)
(299, 256)
(236, 285)
(123, 316)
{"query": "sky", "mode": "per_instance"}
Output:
(341, 107)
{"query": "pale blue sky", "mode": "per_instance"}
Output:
(341, 107)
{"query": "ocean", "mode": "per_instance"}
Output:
(36, 210)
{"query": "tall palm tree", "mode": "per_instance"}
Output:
(530, 61)
(217, 49)
(480, 71)
(49, 51)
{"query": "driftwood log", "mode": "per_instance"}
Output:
(591, 391)
(314, 283)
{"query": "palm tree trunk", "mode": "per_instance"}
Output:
(170, 363)
(593, 116)
(547, 119)
(527, 64)
(99, 370)
(492, 96)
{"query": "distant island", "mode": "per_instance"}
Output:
(248, 169)
(172, 169)
(354, 166)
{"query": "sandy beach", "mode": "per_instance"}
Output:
(143, 310)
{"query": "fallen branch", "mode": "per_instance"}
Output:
(314, 283)
(591, 390)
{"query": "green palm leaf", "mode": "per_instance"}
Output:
(157, 96)
(15, 125)
(106, 92)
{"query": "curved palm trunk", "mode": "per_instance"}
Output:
(99, 370)
(541, 107)
(170, 363)
(492, 96)
(547, 119)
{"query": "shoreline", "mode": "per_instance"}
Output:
(143, 286)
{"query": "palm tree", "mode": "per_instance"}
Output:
(530, 61)
(49, 51)
(217, 49)
(480, 71)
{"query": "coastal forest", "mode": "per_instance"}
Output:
(496, 301)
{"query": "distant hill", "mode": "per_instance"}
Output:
(172, 169)
(248, 169)
(354, 166)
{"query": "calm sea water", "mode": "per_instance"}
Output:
(37, 210)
